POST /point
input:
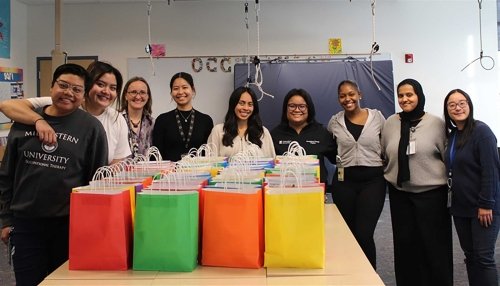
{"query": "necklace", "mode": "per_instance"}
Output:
(136, 125)
(186, 118)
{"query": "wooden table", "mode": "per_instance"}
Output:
(345, 264)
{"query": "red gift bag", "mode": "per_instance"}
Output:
(100, 234)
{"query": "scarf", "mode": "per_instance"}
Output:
(407, 120)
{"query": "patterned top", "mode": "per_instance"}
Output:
(141, 141)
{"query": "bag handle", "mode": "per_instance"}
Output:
(294, 149)
(293, 174)
(99, 178)
(154, 152)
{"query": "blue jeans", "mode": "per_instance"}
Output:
(478, 244)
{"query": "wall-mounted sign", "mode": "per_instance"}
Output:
(11, 86)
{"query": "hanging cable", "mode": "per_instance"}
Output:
(248, 45)
(258, 79)
(481, 56)
(375, 46)
(148, 47)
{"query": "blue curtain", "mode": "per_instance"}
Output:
(320, 79)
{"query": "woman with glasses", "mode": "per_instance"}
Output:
(136, 108)
(298, 124)
(414, 146)
(242, 129)
(106, 84)
(473, 186)
(358, 187)
(177, 131)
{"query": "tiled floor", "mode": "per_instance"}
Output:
(383, 239)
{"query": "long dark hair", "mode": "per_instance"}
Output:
(123, 101)
(450, 125)
(254, 128)
(97, 69)
(311, 112)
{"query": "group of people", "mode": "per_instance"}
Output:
(431, 167)
(434, 168)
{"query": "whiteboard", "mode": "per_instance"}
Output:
(212, 88)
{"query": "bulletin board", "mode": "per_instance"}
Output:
(11, 86)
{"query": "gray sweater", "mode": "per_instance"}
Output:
(427, 169)
(366, 151)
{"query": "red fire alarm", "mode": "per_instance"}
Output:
(408, 58)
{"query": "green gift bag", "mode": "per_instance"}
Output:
(166, 231)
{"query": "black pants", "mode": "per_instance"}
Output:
(421, 226)
(361, 203)
(41, 246)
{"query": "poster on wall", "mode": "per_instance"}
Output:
(5, 29)
(11, 86)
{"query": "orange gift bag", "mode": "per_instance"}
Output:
(233, 232)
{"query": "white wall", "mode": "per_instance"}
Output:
(442, 35)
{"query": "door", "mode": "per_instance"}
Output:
(44, 71)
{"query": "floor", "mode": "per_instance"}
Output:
(383, 239)
(385, 256)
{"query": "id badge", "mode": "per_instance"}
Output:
(340, 169)
(340, 174)
(412, 148)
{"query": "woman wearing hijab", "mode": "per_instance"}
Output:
(414, 145)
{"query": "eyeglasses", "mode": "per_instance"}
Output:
(136, 92)
(461, 104)
(75, 89)
(301, 107)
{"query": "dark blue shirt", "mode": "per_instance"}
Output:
(476, 172)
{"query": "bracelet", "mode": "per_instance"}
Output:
(38, 120)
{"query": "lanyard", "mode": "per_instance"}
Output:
(185, 138)
(449, 182)
(452, 154)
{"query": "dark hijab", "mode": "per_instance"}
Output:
(408, 120)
